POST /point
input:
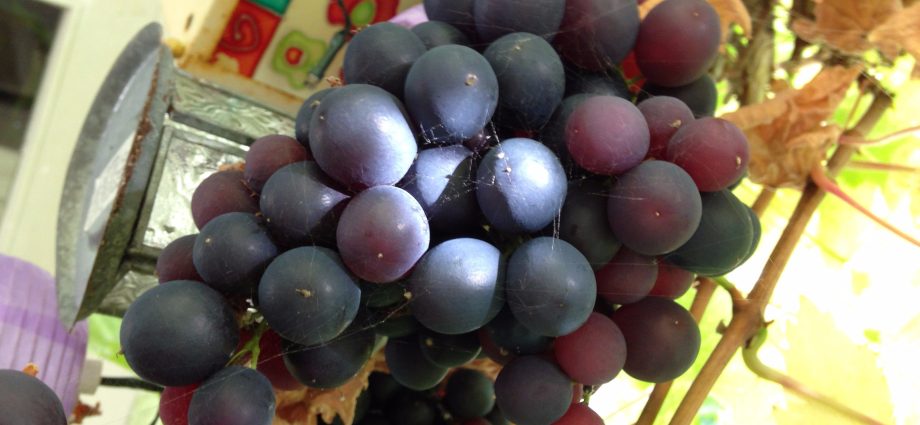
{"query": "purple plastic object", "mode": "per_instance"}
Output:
(410, 17)
(30, 330)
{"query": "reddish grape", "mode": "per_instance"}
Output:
(580, 414)
(175, 261)
(269, 153)
(664, 115)
(700, 95)
(271, 362)
(603, 145)
(662, 339)
(627, 278)
(654, 208)
(174, 403)
(672, 281)
(713, 151)
(677, 41)
(222, 192)
(594, 354)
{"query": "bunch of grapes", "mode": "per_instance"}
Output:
(483, 183)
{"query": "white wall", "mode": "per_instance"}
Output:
(91, 35)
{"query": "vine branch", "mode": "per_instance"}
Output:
(748, 317)
(704, 291)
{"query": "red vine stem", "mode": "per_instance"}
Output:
(883, 166)
(860, 141)
(704, 291)
(748, 314)
(828, 185)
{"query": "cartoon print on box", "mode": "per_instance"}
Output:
(303, 36)
(246, 37)
(295, 55)
(362, 12)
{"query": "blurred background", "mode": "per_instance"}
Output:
(845, 316)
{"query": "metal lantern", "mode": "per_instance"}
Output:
(152, 134)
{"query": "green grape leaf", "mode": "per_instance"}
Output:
(825, 360)
(104, 340)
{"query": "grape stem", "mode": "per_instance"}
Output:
(335, 45)
(704, 290)
(748, 317)
(251, 347)
(749, 354)
(134, 383)
(828, 185)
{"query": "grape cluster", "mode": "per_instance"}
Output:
(483, 185)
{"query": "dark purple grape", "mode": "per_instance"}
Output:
(359, 136)
(436, 33)
(382, 296)
(458, 13)
(531, 80)
(232, 251)
(442, 181)
(700, 95)
(672, 281)
(268, 154)
(603, 145)
(459, 269)
(580, 414)
(627, 278)
(608, 83)
(594, 353)
(662, 339)
(553, 134)
(722, 240)
(382, 387)
(397, 326)
(532, 391)
(26, 400)
(551, 288)
(449, 350)
(382, 233)
(271, 362)
(305, 115)
(713, 151)
(664, 115)
(496, 417)
(583, 222)
(451, 92)
(302, 205)
(175, 261)
(234, 396)
(332, 363)
(756, 231)
(677, 41)
(598, 34)
(178, 333)
(221, 193)
(411, 408)
(381, 55)
(505, 338)
(307, 295)
(469, 394)
(409, 366)
(495, 18)
(654, 208)
(521, 186)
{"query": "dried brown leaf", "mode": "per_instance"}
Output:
(730, 12)
(846, 24)
(901, 31)
(789, 133)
